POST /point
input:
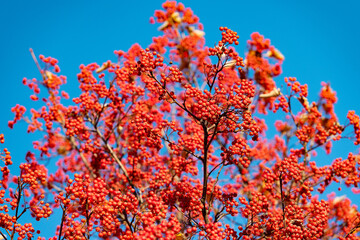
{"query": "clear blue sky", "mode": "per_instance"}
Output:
(320, 41)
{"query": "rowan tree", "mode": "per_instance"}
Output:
(171, 141)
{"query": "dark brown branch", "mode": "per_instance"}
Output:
(282, 200)
(62, 222)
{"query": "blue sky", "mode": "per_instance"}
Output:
(320, 41)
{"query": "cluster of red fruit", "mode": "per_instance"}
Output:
(171, 142)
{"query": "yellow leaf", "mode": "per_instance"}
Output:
(180, 236)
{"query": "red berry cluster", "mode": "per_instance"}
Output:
(305, 190)
(88, 102)
(186, 195)
(258, 204)
(166, 229)
(162, 178)
(19, 111)
(150, 150)
(213, 231)
(74, 124)
(149, 61)
(25, 231)
(328, 99)
(40, 210)
(259, 42)
(269, 178)
(159, 44)
(290, 167)
(355, 121)
(249, 125)
(230, 203)
(184, 165)
(305, 133)
(228, 36)
(238, 147)
(347, 170)
(7, 221)
(7, 157)
(33, 174)
(283, 104)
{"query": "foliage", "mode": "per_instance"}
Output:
(172, 142)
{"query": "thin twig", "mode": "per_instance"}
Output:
(62, 222)
(282, 200)
(36, 61)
